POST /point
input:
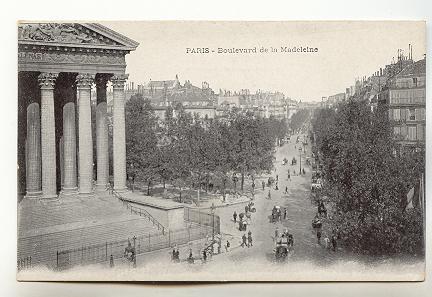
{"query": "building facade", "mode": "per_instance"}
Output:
(59, 64)
(405, 97)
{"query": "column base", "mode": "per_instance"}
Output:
(121, 190)
(69, 191)
(86, 194)
(49, 197)
(33, 195)
(102, 187)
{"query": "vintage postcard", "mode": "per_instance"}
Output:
(221, 151)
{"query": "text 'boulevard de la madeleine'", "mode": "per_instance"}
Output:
(251, 50)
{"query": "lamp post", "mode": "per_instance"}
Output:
(212, 209)
(300, 150)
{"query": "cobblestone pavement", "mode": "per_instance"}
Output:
(299, 216)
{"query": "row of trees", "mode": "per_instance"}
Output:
(367, 179)
(190, 152)
(299, 118)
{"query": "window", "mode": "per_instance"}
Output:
(403, 114)
(404, 131)
(412, 131)
(396, 114)
(422, 115)
(420, 132)
(415, 81)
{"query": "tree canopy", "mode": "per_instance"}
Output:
(188, 151)
(367, 180)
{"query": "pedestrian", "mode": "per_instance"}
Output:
(276, 233)
(249, 239)
(175, 254)
(289, 176)
(334, 242)
(134, 264)
(246, 209)
(263, 185)
(304, 172)
(277, 188)
(277, 177)
(244, 243)
(290, 242)
(285, 213)
(318, 235)
(190, 259)
(269, 195)
(326, 242)
(235, 216)
(204, 255)
(286, 189)
(227, 246)
(111, 261)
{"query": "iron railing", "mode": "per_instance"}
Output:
(139, 211)
(199, 217)
(99, 253)
(24, 263)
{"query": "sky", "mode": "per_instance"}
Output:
(346, 50)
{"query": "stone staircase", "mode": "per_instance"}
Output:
(74, 222)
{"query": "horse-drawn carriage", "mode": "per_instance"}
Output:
(283, 246)
(270, 181)
(276, 214)
(242, 225)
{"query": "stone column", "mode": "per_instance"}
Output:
(101, 134)
(61, 161)
(69, 149)
(46, 83)
(85, 147)
(33, 152)
(119, 136)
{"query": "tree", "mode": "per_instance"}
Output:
(141, 139)
(365, 180)
(298, 119)
(253, 145)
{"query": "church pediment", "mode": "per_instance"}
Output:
(87, 35)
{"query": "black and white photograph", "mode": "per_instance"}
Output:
(221, 151)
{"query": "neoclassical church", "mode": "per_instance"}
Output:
(59, 64)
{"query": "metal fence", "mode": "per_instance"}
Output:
(139, 211)
(197, 216)
(24, 263)
(146, 243)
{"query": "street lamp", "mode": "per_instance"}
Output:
(212, 209)
(300, 150)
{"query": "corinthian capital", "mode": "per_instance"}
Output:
(119, 80)
(101, 80)
(47, 80)
(85, 80)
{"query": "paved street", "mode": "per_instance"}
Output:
(299, 217)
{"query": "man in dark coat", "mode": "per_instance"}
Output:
(249, 238)
(244, 243)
